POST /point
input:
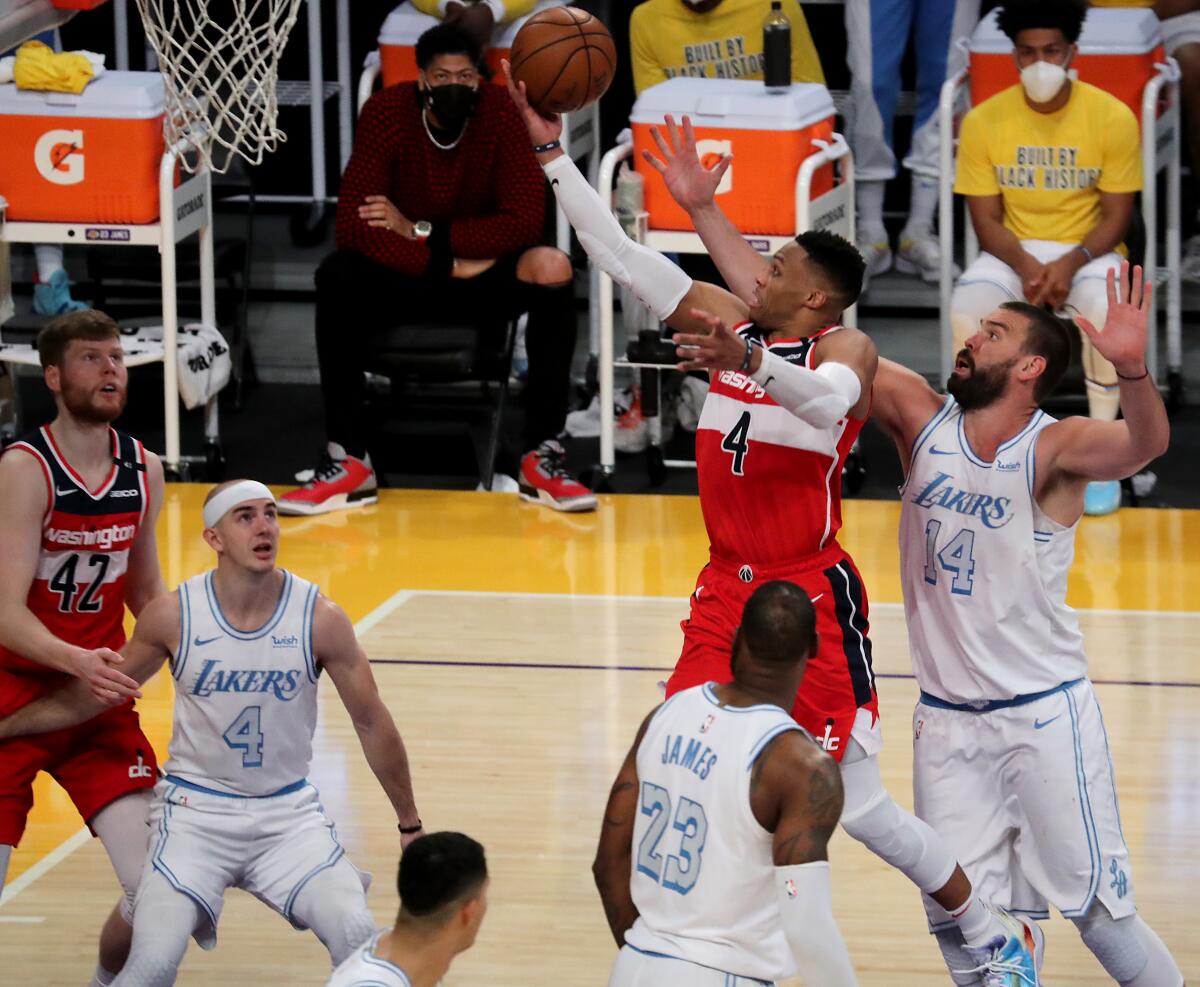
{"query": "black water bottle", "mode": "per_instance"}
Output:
(777, 49)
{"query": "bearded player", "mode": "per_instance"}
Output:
(79, 501)
(790, 391)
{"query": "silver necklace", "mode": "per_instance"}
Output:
(442, 147)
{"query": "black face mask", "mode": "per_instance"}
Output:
(452, 104)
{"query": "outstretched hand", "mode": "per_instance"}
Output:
(542, 129)
(691, 182)
(97, 668)
(1122, 342)
(719, 349)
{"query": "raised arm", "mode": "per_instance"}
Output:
(660, 285)
(24, 500)
(796, 793)
(694, 186)
(1084, 449)
(902, 403)
(612, 867)
(144, 653)
(340, 654)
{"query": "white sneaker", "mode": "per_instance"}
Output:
(501, 483)
(921, 255)
(1189, 263)
(692, 393)
(585, 423)
(877, 255)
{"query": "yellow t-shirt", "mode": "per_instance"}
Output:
(1050, 168)
(668, 39)
(504, 10)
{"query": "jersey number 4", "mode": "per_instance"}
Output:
(681, 870)
(66, 584)
(737, 441)
(245, 734)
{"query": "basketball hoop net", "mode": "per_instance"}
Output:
(220, 66)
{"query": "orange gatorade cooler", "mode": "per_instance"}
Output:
(1118, 50)
(398, 41)
(768, 134)
(91, 157)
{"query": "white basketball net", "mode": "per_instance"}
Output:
(220, 65)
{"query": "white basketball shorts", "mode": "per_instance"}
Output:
(203, 842)
(637, 968)
(1025, 797)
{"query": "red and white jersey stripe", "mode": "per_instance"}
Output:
(770, 484)
(78, 591)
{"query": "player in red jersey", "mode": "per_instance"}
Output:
(790, 390)
(79, 501)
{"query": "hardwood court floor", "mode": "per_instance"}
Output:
(519, 649)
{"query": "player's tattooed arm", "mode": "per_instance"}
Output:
(614, 853)
(796, 793)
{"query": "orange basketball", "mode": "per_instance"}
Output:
(565, 57)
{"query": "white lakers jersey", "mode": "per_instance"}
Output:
(703, 872)
(984, 570)
(363, 968)
(245, 701)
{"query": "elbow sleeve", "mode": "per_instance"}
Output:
(658, 284)
(820, 397)
(806, 911)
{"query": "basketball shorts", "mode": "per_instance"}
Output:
(838, 681)
(203, 842)
(96, 762)
(1025, 797)
(637, 968)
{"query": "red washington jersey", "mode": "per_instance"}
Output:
(770, 484)
(78, 591)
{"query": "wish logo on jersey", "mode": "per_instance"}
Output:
(212, 678)
(941, 492)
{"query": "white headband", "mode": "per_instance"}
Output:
(229, 498)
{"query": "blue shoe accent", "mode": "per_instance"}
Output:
(54, 297)
(1010, 961)
(1102, 497)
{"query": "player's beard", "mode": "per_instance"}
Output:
(983, 387)
(82, 405)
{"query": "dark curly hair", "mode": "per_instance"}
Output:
(447, 39)
(838, 259)
(1024, 15)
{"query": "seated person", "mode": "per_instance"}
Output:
(712, 39)
(1180, 26)
(439, 214)
(479, 17)
(1049, 168)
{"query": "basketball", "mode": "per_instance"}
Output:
(565, 57)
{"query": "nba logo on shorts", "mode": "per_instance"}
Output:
(710, 152)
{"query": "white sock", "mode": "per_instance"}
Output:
(922, 206)
(101, 978)
(869, 196)
(977, 922)
(49, 259)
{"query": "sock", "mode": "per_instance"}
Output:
(978, 923)
(922, 206)
(870, 211)
(101, 978)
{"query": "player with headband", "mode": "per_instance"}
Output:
(245, 643)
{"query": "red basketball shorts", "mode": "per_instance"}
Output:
(96, 763)
(838, 681)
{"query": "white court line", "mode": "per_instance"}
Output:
(74, 842)
(22, 919)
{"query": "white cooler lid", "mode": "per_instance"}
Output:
(114, 96)
(1107, 31)
(405, 24)
(743, 104)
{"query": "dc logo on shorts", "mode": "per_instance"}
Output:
(746, 574)
(1120, 883)
(142, 770)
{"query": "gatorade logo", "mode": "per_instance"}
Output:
(58, 156)
(710, 152)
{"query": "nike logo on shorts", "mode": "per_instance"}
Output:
(199, 642)
(1042, 724)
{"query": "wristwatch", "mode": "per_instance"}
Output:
(422, 228)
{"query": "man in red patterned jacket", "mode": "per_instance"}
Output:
(439, 215)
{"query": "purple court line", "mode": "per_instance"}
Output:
(560, 666)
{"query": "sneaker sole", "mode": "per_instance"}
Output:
(338, 502)
(577, 506)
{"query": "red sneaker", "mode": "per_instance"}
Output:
(336, 485)
(544, 480)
